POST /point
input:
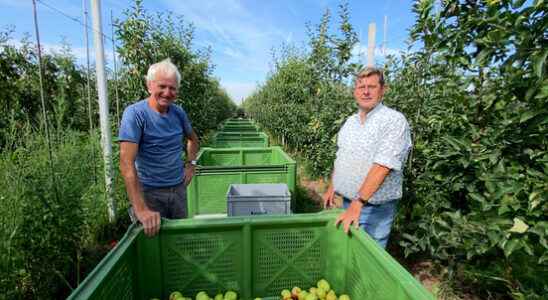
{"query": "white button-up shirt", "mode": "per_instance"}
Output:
(384, 138)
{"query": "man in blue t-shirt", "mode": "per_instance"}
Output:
(151, 137)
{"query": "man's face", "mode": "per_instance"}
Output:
(368, 92)
(163, 89)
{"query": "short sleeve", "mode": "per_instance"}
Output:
(131, 127)
(395, 145)
(187, 126)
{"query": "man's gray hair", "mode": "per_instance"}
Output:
(165, 67)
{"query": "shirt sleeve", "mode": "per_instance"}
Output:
(187, 126)
(395, 145)
(131, 127)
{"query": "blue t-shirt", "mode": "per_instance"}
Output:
(159, 161)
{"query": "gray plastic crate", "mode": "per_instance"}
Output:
(258, 199)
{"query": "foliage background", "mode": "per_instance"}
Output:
(53, 223)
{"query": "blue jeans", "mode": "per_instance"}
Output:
(377, 220)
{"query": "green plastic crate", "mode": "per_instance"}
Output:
(230, 143)
(218, 168)
(239, 128)
(240, 134)
(236, 141)
(239, 122)
(254, 256)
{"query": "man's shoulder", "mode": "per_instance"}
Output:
(138, 106)
(352, 117)
(392, 115)
(177, 109)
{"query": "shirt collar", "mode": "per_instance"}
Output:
(371, 113)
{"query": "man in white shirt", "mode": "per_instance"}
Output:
(373, 145)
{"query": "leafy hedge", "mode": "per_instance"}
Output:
(476, 95)
(149, 38)
(305, 100)
(53, 223)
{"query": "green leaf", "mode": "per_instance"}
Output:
(536, 173)
(510, 246)
(483, 57)
(519, 226)
(539, 64)
(528, 115)
(517, 4)
(410, 237)
(477, 197)
(543, 258)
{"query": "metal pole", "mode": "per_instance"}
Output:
(88, 88)
(103, 105)
(115, 70)
(371, 45)
(84, 7)
(43, 102)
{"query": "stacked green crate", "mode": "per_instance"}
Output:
(255, 257)
(218, 168)
(240, 139)
(240, 128)
(238, 122)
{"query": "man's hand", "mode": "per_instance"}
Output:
(189, 173)
(329, 197)
(350, 215)
(150, 220)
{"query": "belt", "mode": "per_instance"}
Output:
(350, 200)
(163, 188)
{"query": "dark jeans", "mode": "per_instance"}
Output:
(170, 202)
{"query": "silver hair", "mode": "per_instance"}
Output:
(165, 67)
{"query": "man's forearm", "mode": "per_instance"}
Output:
(193, 145)
(374, 179)
(133, 187)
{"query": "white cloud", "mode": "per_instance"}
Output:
(359, 52)
(361, 49)
(79, 53)
(15, 4)
(235, 32)
(239, 90)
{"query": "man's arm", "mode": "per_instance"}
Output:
(329, 195)
(150, 219)
(374, 179)
(192, 146)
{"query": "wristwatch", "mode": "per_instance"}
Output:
(362, 200)
(193, 162)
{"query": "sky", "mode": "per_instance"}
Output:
(241, 33)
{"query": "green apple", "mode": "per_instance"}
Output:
(286, 294)
(218, 297)
(174, 295)
(202, 296)
(322, 283)
(331, 295)
(302, 295)
(311, 297)
(320, 292)
(295, 291)
(313, 290)
(344, 297)
(231, 295)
